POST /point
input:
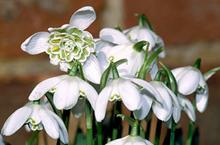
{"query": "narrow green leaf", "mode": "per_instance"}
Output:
(50, 100)
(172, 79)
(32, 138)
(195, 139)
(145, 68)
(208, 74)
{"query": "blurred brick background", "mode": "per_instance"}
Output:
(190, 29)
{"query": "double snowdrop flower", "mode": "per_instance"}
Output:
(68, 44)
(190, 79)
(68, 91)
(37, 117)
(120, 47)
(125, 90)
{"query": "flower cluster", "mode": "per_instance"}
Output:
(116, 66)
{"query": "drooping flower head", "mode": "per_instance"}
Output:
(37, 117)
(68, 91)
(68, 44)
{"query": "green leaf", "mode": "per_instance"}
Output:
(208, 74)
(50, 99)
(173, 82)
(195, 139)
(106, 73)
(145, 68)
(80, 139)
(143, 21)
(32, 138)
(179, 136)
(131, 121)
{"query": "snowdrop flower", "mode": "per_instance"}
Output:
(68, 44)
(140, 33)
(190, 79)
(67, 91)
(123, 49)
(37, 117)
(131, 140)
(170, 107)
(121, 89)
(187, 106)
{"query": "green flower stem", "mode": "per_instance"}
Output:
(172, 134)
(147, 134)
(73, 71)
(114, 71)
(117, 122)
(197, 63)
(158, 131)
(66, 118)
(32, 138)
(99, 130)
(135, 130)
(89, 130)
(139, 46)
(191, 126)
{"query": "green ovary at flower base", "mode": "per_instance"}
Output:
(67, 45)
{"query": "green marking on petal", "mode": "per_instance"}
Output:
(30, 120)
(111, 58)
(82, 93)
(75, 31)
(115, 97)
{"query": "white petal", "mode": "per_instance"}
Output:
(187, 107)
(79, 108)
(202, 81)
(37, 43)
(89, 91)
(121, 141)
(83, 17)
(132, 32)
(188, 83)
(49, 123)
(153, 70)
(146, 35)
(145, 108)
(176, 105)
(92, 70)
(162, 112)
(101, 103)
(178, 72)
(44, 87)
(168, 123)
(114, 36)
(16, 120)
(202, 99)
(66, 94)
(63, 134)
(147, 86)
(129, 94)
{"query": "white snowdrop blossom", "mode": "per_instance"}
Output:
(170, 106)
(68, 90)
(36, 117)
(131, 140)
(124, 90)
(68, 44)
(190, 79)
(140, 33)
(123, 49)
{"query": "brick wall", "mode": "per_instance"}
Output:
(190, 29)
